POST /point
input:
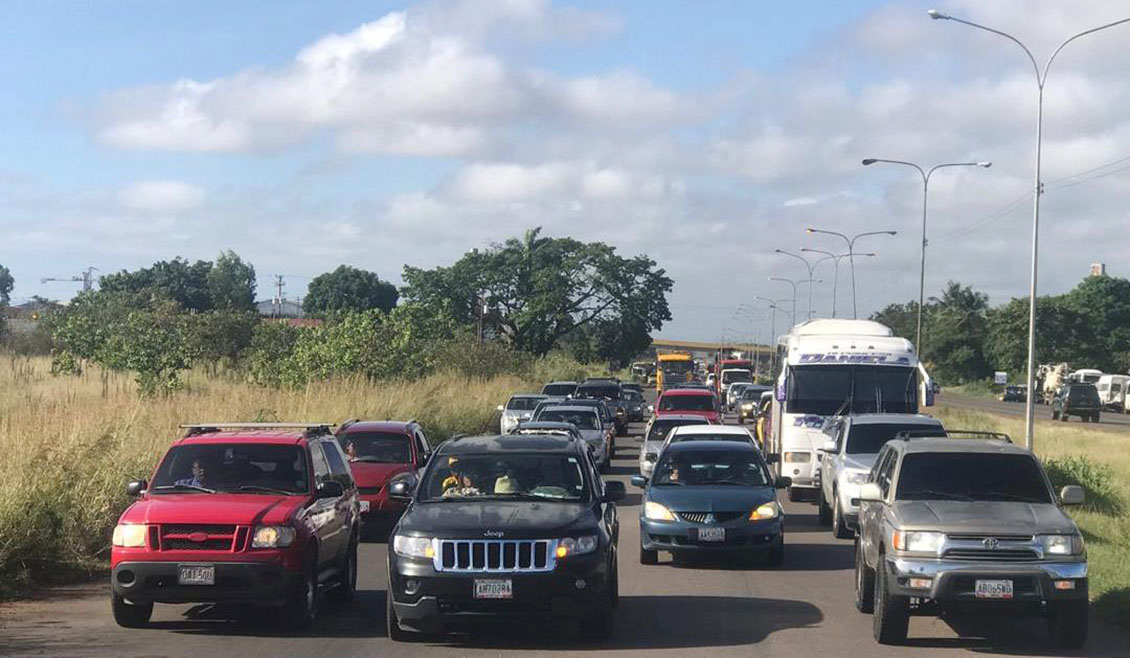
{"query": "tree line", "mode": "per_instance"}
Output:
(494, 310)
(966, 340)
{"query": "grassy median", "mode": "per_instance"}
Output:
(1100, 462)
(69, 444)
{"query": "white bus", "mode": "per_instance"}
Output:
(831, 368)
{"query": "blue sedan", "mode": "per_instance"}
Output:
(709, 497)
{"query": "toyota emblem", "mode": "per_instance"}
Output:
(991, 543)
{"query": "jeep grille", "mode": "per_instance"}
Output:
(495, 555)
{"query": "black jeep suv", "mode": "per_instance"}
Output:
(504, 528)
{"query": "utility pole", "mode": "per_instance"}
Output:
(279, 284)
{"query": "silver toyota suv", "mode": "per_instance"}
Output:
(968, 523)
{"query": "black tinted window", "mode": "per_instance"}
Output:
(1083, 394)
(599, 392)
(827, 390)
(971, 476)
(561, 390)
(232, 467)
(378, 447)
(868, 439)
(686, 403)
(711, 467)
(338, 470)
(660, 428)
(522, 404)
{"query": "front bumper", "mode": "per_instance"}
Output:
(682, 537)
(953, 581)
(263, 583)
(439, 600)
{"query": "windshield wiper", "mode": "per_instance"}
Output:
(1012, 496)
(184, 487)
(735, 483)
(948, 495)
(259, 488)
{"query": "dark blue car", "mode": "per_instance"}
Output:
(711, 497)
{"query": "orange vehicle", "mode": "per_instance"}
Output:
(673, 368)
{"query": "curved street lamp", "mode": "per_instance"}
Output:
(810, 267)
(835, 258)
(851, 255)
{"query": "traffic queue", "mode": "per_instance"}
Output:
(522, 525)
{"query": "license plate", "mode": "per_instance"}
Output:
(494, 589)
(993, 589)
(195, 574)
(364, 506)
(712, 534)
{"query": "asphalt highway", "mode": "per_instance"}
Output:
(1108, 421)
(698, 609)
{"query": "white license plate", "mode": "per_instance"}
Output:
(712, 534)
(993, 589)
(364, 506)
(494, 589)
(195, 574)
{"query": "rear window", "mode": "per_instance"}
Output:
(1083, 394)
(562, 390)
(868, 439)
(599, 392)
(660, 428)
(522, 404)
(739, 438)
(971, 477)
(376, 447)
(686, 403)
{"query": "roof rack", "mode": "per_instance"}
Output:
(931, 433)
(346, 423)
(311, 429)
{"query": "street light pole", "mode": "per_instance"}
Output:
(772, 334)
(925, 196)
(851, 256)
(835, 258)
(792, 320)
(809, 266)
(1041, 79)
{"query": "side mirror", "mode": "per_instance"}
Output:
(1072, 494)
(829, 446)
(401, 487)
(136, 488)
(651, 456)
(330, 489)
(501, 408)
(773, 458)
(783, 482)
(651, 408)
(614, 491)
(870, 492)
(639, 481)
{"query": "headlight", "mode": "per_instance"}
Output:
(747, 406)
(657, 512)
(272, 536)
(766, 511)
(413, 546)
(130, 535)
(1062, 544)
(918, 542)
(797, 457)
(579, 546)
(855, 477)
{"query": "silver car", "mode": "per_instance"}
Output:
(656, 432)
(517, 409)
(587, 420)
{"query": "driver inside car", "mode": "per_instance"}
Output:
(459, 483)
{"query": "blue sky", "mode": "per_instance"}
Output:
(702, 133)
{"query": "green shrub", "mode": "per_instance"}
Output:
(1096, 479)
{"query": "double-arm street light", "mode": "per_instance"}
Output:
(851, 255)
(794, 284)
(810, 267)
(926, 174)
(1041, 79)
(835, 258)
(773, 304)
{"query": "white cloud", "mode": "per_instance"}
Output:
(161, 196)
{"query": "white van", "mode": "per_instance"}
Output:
(1085, 376)
(1112, 391)
(835, 367)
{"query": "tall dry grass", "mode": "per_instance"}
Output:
(69, 444)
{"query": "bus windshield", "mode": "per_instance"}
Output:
(826, 390)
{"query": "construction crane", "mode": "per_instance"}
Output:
(87, 278)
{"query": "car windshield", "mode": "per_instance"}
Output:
(562, 390)
(686, 403)
(971, 476)
(752, 393)
(679, 438)
(522, 404)
(731, 376)
(661, 427)
(632, 396)
(599, 391)
(505, 475)
(598, 405)
(232, 467)
(868, 438)
(377, 447)
(584, 420)
(711, 467)
(1083, 394)
(827, 390)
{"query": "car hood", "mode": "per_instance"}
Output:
(982, 517)
(860, 462)
(372, 474)
(710, 499)
(516, 520)
(220, 509)
(519, 414)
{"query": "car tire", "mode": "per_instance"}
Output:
(839, 526)
(392, 625)
(648, 557)
(776, 557)
(864, 582)
(1067, 624)
(823, 510)
(130, 615)
(891, 618)
(347, 584)
(301, 606)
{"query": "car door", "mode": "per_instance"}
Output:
(607, 512)
(870, 513)
(830, 461)
(329, 521)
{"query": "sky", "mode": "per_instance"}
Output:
(307, 134)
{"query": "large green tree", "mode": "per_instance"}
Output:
(1105, 301)
(231, 283)
(348, 289)
(178, 280)
(954, 332)
(538, 290)
(1063, 333)
(6, 283)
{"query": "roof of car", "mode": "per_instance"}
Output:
(246, 436)
(529, 395)
(718, 446)
(466, 445)
(689, 391)
(560, 382)
(894, 419)
(393, 426)
(737, 430)
(546, 425)
(980, 446)
(574, 407)
(696, 418)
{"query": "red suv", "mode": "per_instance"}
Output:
(693, 401)
(377, 452)
(263, 513)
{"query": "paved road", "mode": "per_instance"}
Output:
(802, 609)
(1109, 420)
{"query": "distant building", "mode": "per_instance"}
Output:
(1098, 269)
(276, 308)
